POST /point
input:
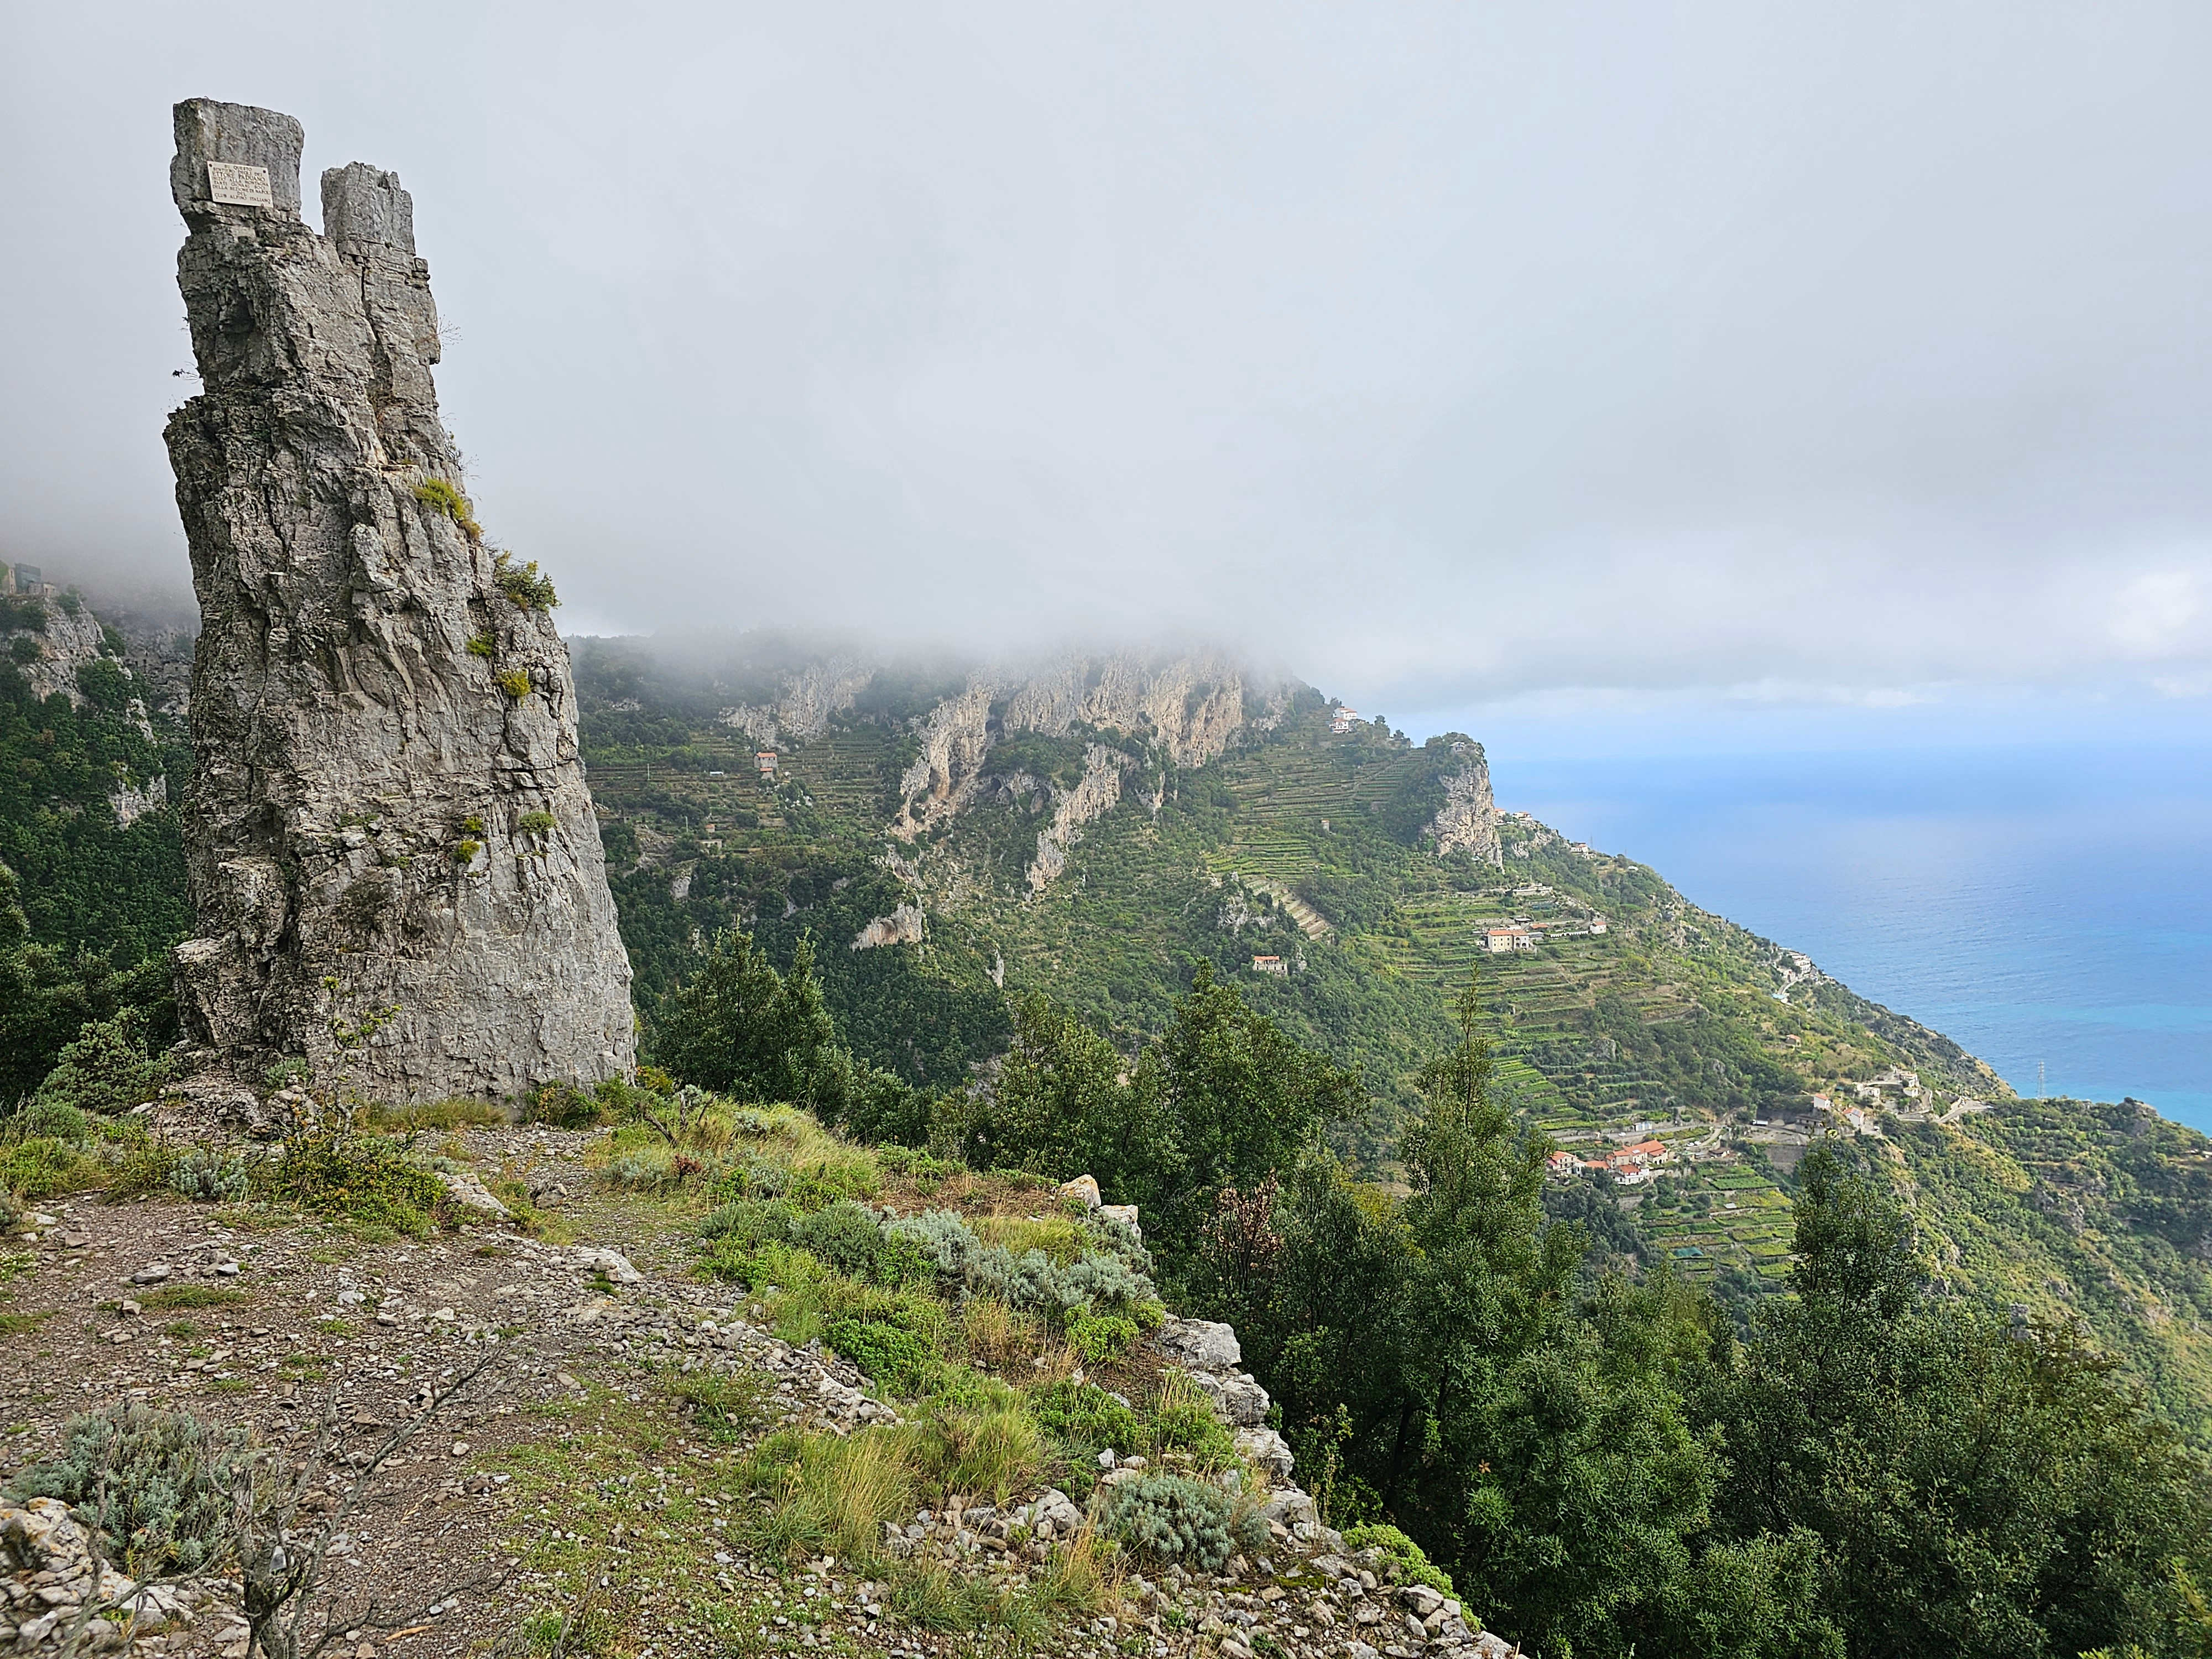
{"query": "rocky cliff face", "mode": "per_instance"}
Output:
(393, 856)
(48, 640)
(1188, 710)
(1468, 821)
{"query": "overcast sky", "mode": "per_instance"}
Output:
(1631, 357)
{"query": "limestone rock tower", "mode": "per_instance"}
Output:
(393, 858)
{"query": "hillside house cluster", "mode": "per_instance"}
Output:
(1629, 1165)
(1896, 1077)
(1856, 1119)
(25, 582)
(1342, 720)
(1523, 933)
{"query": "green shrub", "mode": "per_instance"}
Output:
(849, 1239)
(1101, 1338)
(483, 645)
(162, 1479)
(515, 683)
(1413, 1566)
(40, 1166)
(105, 1068)
(561, 1106)
(1170, 1517)
(360, 1177)
(535, 823)
(522, 584)
(440, 496)
(465, 851)
(51, 1118)
(209, 1175)
(1183, 1420)
(1082, 1413)
(895, 1358)
(140, 1167)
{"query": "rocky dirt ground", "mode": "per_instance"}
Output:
(574, 1499)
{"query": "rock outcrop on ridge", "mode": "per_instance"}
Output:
(1468, 821)
(394, 858)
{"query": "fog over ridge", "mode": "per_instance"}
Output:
(1850, 357)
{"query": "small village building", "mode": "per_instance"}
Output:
(1269, 965)
(1504, 941)
(1342, 720)
(765, 762)
(1597, 924)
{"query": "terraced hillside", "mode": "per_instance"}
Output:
(1098, 860)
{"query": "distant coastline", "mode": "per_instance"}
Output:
(2036, 905)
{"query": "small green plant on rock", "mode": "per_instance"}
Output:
(1414, 1567)
(535, 823)
(1183, 1420)
(289, 1073)
(1172, 1518)
(515, 683)
(440, 496)
(483, 645)
(522, 584)
(724, 1408)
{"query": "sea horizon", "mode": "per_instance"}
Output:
(2041, 904)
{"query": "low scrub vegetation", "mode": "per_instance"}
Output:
(157, 1483)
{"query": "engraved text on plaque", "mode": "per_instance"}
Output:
(237, 185)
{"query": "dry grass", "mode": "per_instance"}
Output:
(1000, 1193)
(833, 1495)
(454, 1114)
(1081, 1577)
(1002, 1340)
(989, 1449)
(1014, 1345)
(1055, 1234)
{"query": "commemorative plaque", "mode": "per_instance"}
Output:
(236, 186)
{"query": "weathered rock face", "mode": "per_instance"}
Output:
(392, 856)
(1189, 709)
(63, 638)
(1468, 821)
(1096, 793)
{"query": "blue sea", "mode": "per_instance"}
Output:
(2048, 906)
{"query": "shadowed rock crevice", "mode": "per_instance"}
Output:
(393, 858)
